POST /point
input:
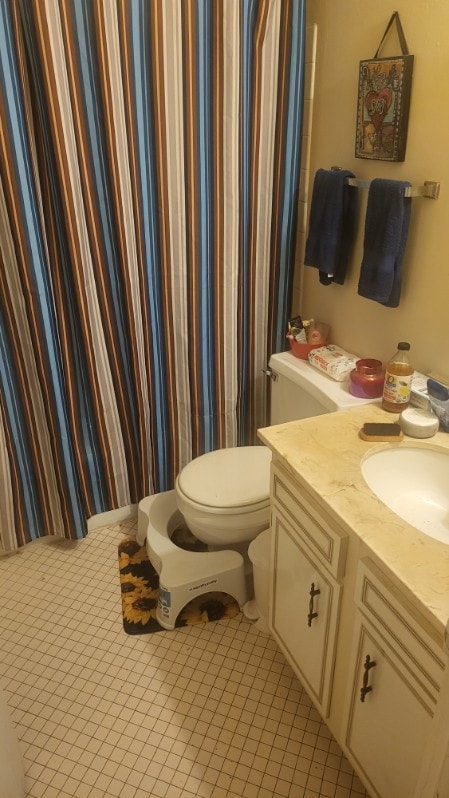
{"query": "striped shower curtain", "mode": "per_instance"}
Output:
(148, 183)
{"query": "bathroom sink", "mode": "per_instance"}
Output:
(414, 483)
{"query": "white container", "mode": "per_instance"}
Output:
(259, 554)
(418, 423)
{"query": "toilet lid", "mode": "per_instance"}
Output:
(232, 477)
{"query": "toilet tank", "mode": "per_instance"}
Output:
(298, 390)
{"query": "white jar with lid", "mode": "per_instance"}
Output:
(418, 423)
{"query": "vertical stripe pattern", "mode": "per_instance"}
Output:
(148, 184)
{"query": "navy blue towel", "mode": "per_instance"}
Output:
(386, 227)
(331, 224)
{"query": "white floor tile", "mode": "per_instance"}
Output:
(211, 710)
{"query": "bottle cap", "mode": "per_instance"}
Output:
(403, 345)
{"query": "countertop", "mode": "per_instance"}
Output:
(325, 453)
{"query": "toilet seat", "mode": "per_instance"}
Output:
(224, 495)
(228, 480)
(184, 574)
(241, 509)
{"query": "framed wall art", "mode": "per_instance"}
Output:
(384, 90)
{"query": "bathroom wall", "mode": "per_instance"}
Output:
(349, 31)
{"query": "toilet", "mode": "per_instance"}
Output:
(224, 497)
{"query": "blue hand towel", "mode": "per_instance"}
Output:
(386, 227)
(331, 224)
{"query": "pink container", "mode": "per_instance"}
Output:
(367, 379)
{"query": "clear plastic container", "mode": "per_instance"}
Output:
(398, 380)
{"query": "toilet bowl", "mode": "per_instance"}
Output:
(223, 497)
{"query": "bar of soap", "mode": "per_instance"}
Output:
(418, 423)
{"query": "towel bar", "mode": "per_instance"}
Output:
(430, 189)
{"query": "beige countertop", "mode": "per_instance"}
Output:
(325, 453)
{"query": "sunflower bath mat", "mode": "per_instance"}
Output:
(139, 584)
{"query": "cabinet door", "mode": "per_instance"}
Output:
(304, 613)
(388, 729)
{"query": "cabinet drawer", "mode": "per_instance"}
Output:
(315, 527)
(403, 626)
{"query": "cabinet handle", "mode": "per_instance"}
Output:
(312, 594)
(368, 664)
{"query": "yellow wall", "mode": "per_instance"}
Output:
(349, 31)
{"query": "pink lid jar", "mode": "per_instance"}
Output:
(367, 379)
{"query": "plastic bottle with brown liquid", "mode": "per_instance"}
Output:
(398, 380)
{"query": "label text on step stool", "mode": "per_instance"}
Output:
(203, 584)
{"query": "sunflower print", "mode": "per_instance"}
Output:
(139, 584)
(209, 607)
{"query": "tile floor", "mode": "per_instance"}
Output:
(211, 710)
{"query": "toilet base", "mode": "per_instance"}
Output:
(183, 575)
(251, 610)
(252, 613)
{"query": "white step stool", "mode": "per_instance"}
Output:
(184, 574)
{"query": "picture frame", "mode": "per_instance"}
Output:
(383, 108)
(383, 102)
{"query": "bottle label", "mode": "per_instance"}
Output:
(397, 388)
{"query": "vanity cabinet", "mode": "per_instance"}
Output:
(389, 726)
(397, 673)
(367, 658)
(308, 557)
